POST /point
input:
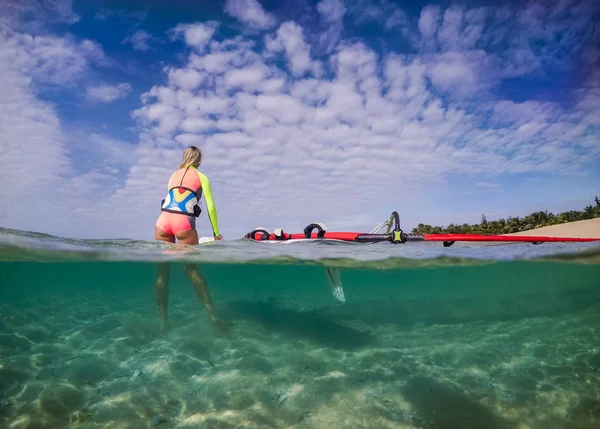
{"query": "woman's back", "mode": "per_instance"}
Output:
(186, 177)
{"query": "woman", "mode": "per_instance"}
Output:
(178, 221)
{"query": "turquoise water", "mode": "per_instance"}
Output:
(470, 336)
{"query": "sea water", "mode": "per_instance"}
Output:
(472, 336)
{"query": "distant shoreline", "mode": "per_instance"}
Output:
(589, 228)
(540, 222)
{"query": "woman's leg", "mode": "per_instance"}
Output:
(162, 280)
(191, 237)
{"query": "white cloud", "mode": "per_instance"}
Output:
(462, 73)
(461, 29)
(283, 108)
(382, 12)
(34, 14)
(325, 37)
(332, 10)
(187, 78)
(49, 59)
(449, 33)
(196, 35)
(429, 20)
(213, 62)
(251, 13)
(48, 189)
(132, 17)
(140, 40)
(33, 147)
(245, 78)
(290, 39)
(516, 42)
(108, 93)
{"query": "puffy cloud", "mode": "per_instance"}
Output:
(290, 39)
(332, 10)
(197, 35)
(128, 16)
(140, 40)
(49, 59)
(245, 78)
(108, 93)
(34, 14)
(251, 13)
(48, 179)
(429, 21)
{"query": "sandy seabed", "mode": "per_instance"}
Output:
(100, 361)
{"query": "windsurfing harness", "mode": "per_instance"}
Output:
(182, 200)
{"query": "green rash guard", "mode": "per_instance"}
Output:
(210, 203)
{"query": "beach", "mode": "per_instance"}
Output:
(589, 228)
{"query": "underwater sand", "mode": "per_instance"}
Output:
(509, 344)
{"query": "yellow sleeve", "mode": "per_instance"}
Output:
(210, 203)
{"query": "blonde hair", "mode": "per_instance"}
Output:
(191, 156)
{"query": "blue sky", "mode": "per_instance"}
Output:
(333, 111)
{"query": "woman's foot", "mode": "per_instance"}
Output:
(220, 325)
(165, 326)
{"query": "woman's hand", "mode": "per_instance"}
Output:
(218, 237)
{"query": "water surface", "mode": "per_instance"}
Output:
(470, 336)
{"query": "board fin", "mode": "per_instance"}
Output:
(334, 280)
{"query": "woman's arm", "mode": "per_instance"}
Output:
(210, 204)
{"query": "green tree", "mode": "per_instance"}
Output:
(590, 212)
(514, 224)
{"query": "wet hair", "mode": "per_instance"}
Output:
(191, 156)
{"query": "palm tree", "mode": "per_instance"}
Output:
(540, 219)
(515, 224)
(591, 212)
(572, 216)
(484, 224)
(528, 223)
(502, 224)
(451, 229)
(552, 219)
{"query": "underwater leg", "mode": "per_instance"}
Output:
(162, 280)
(202, 291)
(162, 293)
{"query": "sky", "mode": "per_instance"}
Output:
(306, 111)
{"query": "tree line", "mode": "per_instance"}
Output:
(513, 224)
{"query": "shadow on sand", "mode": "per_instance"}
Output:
(446, 407)
(314, 326)
(407, 312)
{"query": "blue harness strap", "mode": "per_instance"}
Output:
(181, 200)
